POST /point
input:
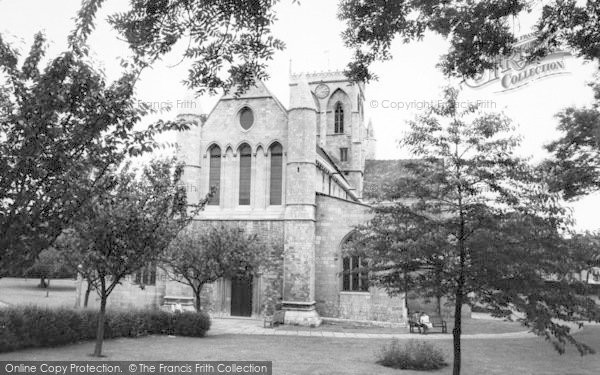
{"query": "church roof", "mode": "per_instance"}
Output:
(331, 165)
(333, 161)
(380, 175)
(258, 90)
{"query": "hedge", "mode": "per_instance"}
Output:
(33, 326)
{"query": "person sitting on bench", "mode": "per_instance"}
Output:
(425, 322)
(414, 321)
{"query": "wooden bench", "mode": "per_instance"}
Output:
(414, 325)
(436, 321)
(440, 323)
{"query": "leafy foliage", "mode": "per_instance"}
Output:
(199, 258)
(62, 128)
(575, 165)
(193, 324)
(71, 254)
(230, 36)
(381, 176)
(131, 224)
(584, 249)
(49, 264)
(479, 32)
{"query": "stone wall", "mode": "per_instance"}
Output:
(336, 219)
(374, 305)
(222, 128)
(430, 306)
(127, 296)
(215, 298)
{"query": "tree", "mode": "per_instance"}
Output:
(495, 229)
(130, 225)
(62, 128)
(70, 251)
(575, 163)
(398, 245)
(585, 250)
(199, 258)
(49, 265)
(479, 32)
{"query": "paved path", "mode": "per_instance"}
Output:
(228, 326)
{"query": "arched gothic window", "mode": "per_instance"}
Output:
(339, 118)
(245, 174)
(276, 174)
(214, 175)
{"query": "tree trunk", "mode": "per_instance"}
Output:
(87, 295)
(438, 294)
(456, 332)
(100, 330)
(406, 291)
(197, 302)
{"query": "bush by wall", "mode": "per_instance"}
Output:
(414, 355)
(33, 326)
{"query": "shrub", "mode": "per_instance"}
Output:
(414, 355)
(89, 322)
(160, 323)
(33, 326)
(191, 323)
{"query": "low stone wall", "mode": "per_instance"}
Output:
(374, 305)
(429, 306)
(126, 296)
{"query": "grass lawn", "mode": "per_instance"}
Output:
(469, 326)
(17, 291)
(315, 355)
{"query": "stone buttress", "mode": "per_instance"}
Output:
(300, 226)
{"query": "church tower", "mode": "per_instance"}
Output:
(188, 145)
(341, 129)
(370, 142)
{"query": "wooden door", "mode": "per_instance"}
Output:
(241, 297)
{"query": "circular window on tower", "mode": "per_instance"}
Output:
(246, 118)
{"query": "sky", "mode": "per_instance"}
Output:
(311, 31)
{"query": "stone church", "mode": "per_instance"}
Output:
(294, 176)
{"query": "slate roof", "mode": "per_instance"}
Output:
(381, 174)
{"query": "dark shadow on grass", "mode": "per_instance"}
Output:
(55, 288)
